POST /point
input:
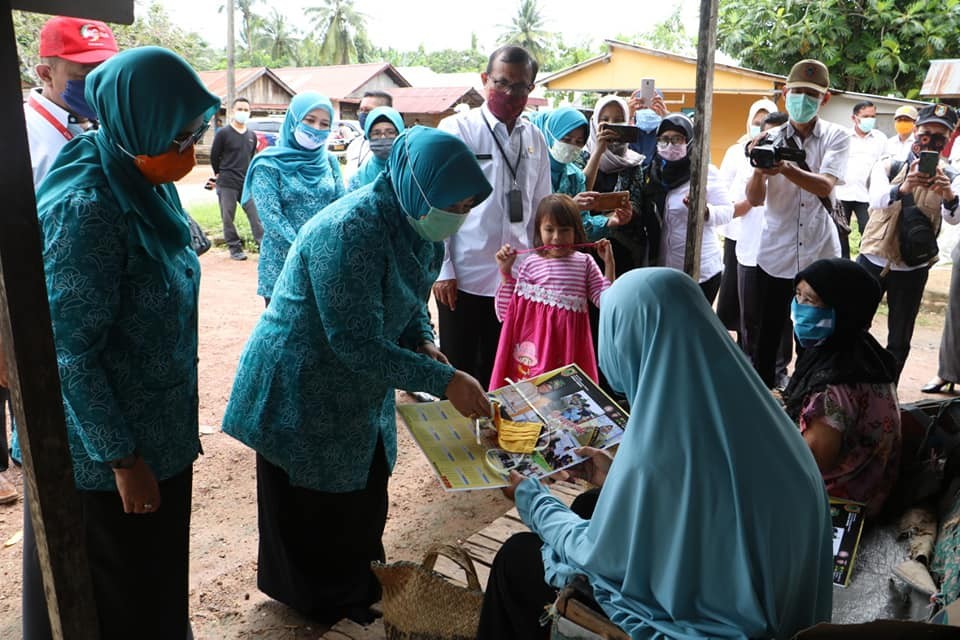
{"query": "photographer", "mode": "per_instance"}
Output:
(904, 195)
(798, 228)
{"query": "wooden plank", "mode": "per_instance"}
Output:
(700, 153)
(119, 11)
(335, 635)
(481, 554)
(452, 571)
(503, 528)
(350, 629)
(26, 342)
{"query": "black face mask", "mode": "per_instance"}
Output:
(929, 142)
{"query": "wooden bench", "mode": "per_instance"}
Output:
(482, 547)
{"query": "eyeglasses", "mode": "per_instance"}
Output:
(186, 140)
(671, 139)
(519, 88)
(383, 135)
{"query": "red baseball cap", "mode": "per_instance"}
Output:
(77, 40)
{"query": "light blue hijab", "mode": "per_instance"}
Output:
(287, 156)
(446, 170)
(713, 521)
(555, 125)
(374, 166)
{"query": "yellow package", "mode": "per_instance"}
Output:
(516, 437)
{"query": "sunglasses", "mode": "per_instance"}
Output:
(186, 140)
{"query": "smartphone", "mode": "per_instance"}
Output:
(928, 163)
(625, 132)
(611, 201)
(210, 184)
(647, 91)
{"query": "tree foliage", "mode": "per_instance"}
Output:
(339, 27)
(871, 46)
(526, 29)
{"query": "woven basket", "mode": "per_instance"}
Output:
(420, 604)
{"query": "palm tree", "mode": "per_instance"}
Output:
(279, 38)
(338, 25)
(527, 30)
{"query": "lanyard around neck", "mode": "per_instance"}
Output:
(49, 117)
(503, 154)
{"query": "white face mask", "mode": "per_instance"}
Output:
(672, 152)
(241, 117)
(564, 152)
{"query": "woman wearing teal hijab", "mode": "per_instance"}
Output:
(122, 281)
(314, 393)
(290, 182)
(712, 521)
(381, 128)
(566, 130)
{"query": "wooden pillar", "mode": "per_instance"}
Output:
(27, 344)
(700, 153)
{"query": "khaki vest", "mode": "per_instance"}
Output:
(881, 237)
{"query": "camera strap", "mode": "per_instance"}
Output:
(825, 201)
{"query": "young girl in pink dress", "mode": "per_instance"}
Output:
(544, 307)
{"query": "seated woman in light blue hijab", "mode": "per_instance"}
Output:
(712, 521)
(314, 393)
(381, 128)
(565, 131)
(290, 182)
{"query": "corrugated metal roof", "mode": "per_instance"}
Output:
(337, 81)
(432, 99)
(942, 80)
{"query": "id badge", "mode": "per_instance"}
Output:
(515, 204)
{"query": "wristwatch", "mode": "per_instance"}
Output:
(125, 462)
(951, 205)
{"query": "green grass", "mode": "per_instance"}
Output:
(207, 215)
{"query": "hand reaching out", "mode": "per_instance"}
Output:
(619, 217)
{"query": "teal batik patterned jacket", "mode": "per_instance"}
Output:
(315, 384)
(126, 340)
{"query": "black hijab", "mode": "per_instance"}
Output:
(851, 355)
(672, 174)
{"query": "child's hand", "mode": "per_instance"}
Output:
(505, 259)
(604, 250)
(619, 217)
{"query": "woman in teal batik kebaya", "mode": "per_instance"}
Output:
(381, 129)
(290, 182)
(314, 393)
(122, 281)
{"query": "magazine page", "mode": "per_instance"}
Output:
(847, 519)
(569, 408)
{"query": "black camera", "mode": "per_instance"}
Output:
(766, 153)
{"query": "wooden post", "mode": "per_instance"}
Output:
(700, 153)
(27, 344)
(231, 59)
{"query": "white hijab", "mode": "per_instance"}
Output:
(610, 162)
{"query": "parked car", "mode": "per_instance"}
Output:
(266, 129)
(342, 133)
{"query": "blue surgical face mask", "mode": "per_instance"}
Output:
(647, 119)
(867, 124)
(74, 98)
(310, 138)
(812, 324)
(801, 107)
(241, 117)
(755, 130)
(438, 224)
(362, 118)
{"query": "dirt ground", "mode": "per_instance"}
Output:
(225, 602)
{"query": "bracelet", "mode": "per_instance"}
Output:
(125, 462)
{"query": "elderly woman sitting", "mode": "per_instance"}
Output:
(842, 393)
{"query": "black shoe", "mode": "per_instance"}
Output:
(238, 255)
(937, 386)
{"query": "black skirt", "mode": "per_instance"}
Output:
(316, 547)
(139, 565)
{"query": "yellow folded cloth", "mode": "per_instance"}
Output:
(516, 437)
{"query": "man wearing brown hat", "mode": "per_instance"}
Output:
(798, 229)
(908, 202)
(70, 48)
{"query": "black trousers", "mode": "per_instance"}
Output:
(228, 210)
(517, 591)
(139, 564)
(710, 287)
(316, 547)
(751, 312)
(904, 290)
(5, 403)
(469, 335)
(851, 208)
(772, 297)
(728, 302)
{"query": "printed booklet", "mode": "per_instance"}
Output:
(568, 407)
(847, 526)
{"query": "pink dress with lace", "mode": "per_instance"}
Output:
(544, 315)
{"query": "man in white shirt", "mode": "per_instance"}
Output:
(866, 147)
(798, 230)
(70, 48)
(514, 158)
(359, 150)
(904, 123)
(56, 112)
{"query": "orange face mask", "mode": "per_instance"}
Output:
(903, 127)
(166, 167)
